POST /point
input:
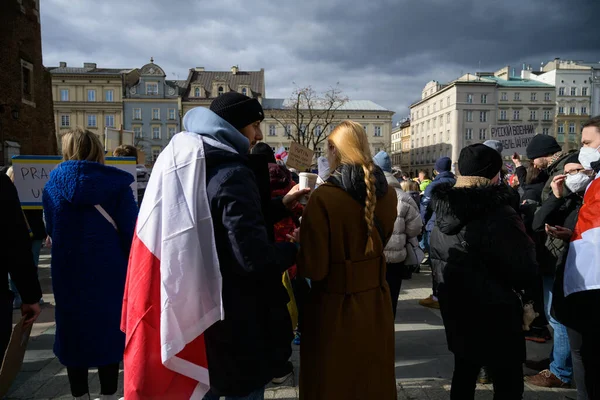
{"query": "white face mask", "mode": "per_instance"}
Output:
(587, 156)
(578, 182)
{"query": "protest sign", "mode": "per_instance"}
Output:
(32, 173)
(514, 138)
(299, 157)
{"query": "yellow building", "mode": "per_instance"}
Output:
(405, 145)
(396, 147)
(89, 97)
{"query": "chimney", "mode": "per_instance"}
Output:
(63, 64)
(89, 65)
(199, 69)
(234, 69)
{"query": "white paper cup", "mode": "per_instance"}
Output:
(307, 181)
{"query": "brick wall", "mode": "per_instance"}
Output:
(33, 127)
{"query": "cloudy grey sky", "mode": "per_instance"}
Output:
(381, 50)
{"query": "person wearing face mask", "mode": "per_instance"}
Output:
(582, 267)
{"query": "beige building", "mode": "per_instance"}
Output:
(405, 140)
(452, 116)
(89, 97)
(375, 119)
(396, 147)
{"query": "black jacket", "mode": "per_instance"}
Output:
(484, 256)
(243, 348)
(533, 190)
(16, 247)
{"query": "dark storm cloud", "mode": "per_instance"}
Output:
(382, 50)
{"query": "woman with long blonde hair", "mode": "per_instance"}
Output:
(90, 215)
(347, 347)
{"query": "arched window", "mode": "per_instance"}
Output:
(245, 92)
(220, 90)
(197, 92)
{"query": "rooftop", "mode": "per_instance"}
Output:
(350, 105)
(515, 82)
(87, 69)
(233, 79)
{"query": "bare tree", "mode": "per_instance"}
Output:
(307, 116)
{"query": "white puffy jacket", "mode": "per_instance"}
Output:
(408, 223)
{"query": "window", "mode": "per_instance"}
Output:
(571, 110)
(172, 131)
(156, 113)
(583, 110)
(483, 116)
(220, 90)
(137, 113)
(533, 96)
(573, 91)
(137, 130)
(468, 134)
(447, 135)
(441, 120)
(91, 95)
(171, 114)
(318, 131)
(561, 91)
(517, 96)
(155, 153)
(469, 98)
(584, 91)
(504, 96)
(482, 133)
(503, 115)
(27, 82)
(288, 130)
(516, 115)
(91, 120)
(366, 128)
(434, 121)
(245, 91)
(561, 128)
(469, 116)
(109, 96)
(448, 100)
(65, 120)
(197, 92)
(484, 99)
(434, 138)
(428, 110)
(561, 110)
(433, 107)
(156, 132)
(428, 142)
(547, 96)
(152, 88)
(532, 115)
(546, 115)
(109, 120)
(272, 130)
(64, 95)
(545, 131)
(448, 118)
(571, 127)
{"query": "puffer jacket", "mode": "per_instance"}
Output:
(408, 223)
(483, 256)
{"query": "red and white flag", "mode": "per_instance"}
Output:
(582, 270)
(173, 289)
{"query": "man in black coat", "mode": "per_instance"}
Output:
(484, 257)
(18, 261)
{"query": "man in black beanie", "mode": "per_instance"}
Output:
(483, 256)
(243, 112)
(546, 154)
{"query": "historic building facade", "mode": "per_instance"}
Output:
(26, 116)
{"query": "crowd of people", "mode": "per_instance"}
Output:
(230, 257)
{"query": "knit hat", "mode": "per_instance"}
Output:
(237, 109)
(573, 159)
(383, 161)
(264, 149)
(494, 144)
(444, 164)
(542, 146)
(479, 160)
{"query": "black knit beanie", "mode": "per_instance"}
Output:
(479, 160)
(542, 146)
(265, 150)
(237, 109)
(573, 159)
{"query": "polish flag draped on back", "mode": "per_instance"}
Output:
(173, 289)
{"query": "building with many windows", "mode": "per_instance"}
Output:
(405, 140)
(575, 84)
(396, 146)
(452, 116)
(152, 110)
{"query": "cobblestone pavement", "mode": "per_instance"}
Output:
(423, 364)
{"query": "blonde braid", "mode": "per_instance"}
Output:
(370, 203)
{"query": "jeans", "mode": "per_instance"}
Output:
(578, 369)
(561, 363)
(256, 395)
(109, 380)
(36, 248)
(507, 379)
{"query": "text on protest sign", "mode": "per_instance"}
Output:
(32, 172)
(299, 157)
(514, 138)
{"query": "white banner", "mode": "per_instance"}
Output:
(514, 138)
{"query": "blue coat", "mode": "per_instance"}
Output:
(89, 259)
(427, 213)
